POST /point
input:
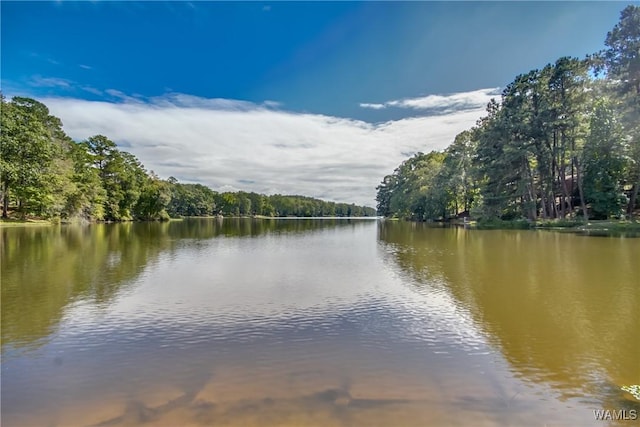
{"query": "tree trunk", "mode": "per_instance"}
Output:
(580, 190)
(553, 179)
(543, 201)
(573, 176)
(533, 209)
(566, 198)
(5, 200)
(553, 206)
(633, 198)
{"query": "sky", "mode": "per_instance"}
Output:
(314, 98)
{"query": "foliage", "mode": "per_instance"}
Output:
(604, 162)
(559, 144)
(242, 203)
(27, 151)
(411, 191)
(190, 199)
(622, 62)
(558, 223)
(499, 224)
(45, 174)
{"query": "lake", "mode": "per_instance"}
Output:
(246, 322)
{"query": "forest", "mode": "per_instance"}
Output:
(562, 143)
(46, 174)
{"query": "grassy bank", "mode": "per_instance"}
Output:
(593, 225)
(499, 224)
(614, 226)
(10, 222)
(621, 226)
(14, 222)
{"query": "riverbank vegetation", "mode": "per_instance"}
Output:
(198, 200)
(561, 144)
(44, 174)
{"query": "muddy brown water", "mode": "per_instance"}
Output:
(242, 322)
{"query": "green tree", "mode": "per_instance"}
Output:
(384, 193)
(122, 176)
(27, 153)
(622, 62)
(622, 56)
(153, 200)
(457, 175)
(604, 161)
(412, 190)
(86, 197)
(504, 158)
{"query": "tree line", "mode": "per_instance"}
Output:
(563, 142)
(199, 200)
(46, 174)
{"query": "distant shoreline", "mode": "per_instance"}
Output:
(43, 222)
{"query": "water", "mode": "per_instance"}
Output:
(315, 322)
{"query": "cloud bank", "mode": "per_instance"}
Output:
(444, 103)
(237, 145)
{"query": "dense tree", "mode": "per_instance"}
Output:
(457, 174)
(29, 145)
(604, 161)
(622, 62)
(130, 192)
(622, 56)
(44, 173)
(411, 191)
(105, 157)
(555, 146)
(87, 196)
(278, 205)
(153, 200)
(190, 199)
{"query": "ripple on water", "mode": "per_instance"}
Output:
(224, 331)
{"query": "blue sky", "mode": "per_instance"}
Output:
(331, 95)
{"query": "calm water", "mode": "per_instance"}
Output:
(315, 322)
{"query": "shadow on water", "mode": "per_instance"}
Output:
(334, 403)
(331, 406)
(137, 412)
(562, 309)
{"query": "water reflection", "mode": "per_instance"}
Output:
(312, 322)
(563, 309)
(44, 269)
(200, 228)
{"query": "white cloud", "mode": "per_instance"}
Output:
(272, 104)
(236, 145)
(39, 81)
(191, 101)
(373, 106)
(122, 96)
(92, 90)
(445, 103)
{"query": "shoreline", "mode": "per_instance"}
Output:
(8, 223)
(567, 226)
